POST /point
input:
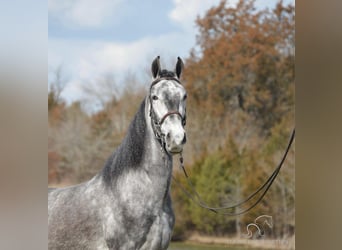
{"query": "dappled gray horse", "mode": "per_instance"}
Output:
(128, 205)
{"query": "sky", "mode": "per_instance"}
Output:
(92, 38)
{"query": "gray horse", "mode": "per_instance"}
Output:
(128, 205)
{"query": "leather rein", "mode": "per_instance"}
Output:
(195, 197)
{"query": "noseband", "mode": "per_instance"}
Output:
(156, 124)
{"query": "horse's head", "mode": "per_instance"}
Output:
(168, 106)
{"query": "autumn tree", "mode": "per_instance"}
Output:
(81, 139)
(56, 111)
(56, 87)
(244, 61)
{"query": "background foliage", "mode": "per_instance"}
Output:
(240, 82)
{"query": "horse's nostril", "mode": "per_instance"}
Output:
(168, 136)
(184, 139)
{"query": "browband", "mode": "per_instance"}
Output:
(165, 78)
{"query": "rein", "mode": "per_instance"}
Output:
(195, 197)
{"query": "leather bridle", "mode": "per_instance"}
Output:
(156, 123)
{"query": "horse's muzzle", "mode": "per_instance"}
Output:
(174, 144)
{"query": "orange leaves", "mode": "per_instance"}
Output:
(247, 52)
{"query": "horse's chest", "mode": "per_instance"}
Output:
(141, 214)
(144, 228)
(159, 235)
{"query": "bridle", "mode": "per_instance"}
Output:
(157, 123)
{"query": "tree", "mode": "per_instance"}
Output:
(56, 112)
(244, 61)
(56, 87)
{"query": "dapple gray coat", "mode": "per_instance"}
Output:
(127, 205)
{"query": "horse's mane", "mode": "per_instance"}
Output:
(130, 152)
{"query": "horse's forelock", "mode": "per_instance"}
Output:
(167, 73)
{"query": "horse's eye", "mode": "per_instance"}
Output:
(154, 97)
(184, 98)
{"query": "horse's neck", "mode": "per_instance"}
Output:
(140, 150)
(157, 160)
(157, 164)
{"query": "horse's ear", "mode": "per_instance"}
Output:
(179, 67)
(155, 68)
